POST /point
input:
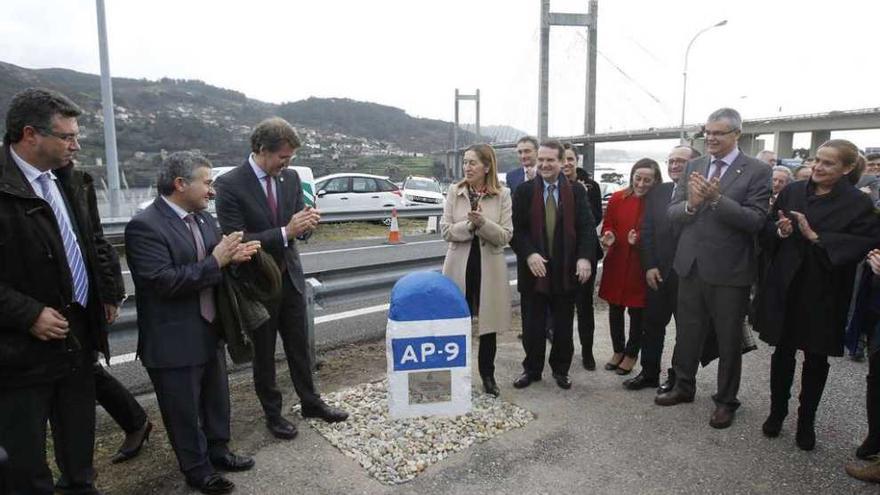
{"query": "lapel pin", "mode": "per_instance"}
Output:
(739, 171)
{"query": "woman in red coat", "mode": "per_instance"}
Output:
(623, 280)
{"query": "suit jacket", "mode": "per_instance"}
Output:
(242, 206)
(658, 237)
(514, 178)
(521, 242)
(34, 273)
(494, 236)
(168, 278)
(721, 239)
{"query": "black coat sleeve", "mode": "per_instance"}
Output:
(585, 226)
(521, 242)
(647, 246)
(109, 270)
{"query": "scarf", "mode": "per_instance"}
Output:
(564, 251)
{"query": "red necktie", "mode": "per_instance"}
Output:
(270, 199)
(206, 295)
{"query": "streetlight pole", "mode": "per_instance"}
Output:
(685, 74)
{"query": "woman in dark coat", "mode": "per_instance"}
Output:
(817, 232)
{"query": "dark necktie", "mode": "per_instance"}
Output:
(206, 296)
(71, 247)
(550, 218)
(270, 199)
(716, 174)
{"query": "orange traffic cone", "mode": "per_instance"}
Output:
(394, 232)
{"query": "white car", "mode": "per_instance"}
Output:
(421, 191)
(353, 192)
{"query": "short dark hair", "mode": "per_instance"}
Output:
(872, 156)
(528, 139)
(272, 133)
(554, 144)
(571, 147)
(36, 107)
(178, 164)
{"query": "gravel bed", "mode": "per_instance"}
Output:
(396, 451)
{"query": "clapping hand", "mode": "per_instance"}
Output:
(804, 226)
(245, 251)
(303, 221)
(225, 249)
(632, 237)
(607, 239)
(784, 228)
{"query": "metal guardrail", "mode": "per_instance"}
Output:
(114, 228)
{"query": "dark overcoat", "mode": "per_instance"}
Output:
(807, 287)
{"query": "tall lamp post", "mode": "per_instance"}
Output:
(685, 74)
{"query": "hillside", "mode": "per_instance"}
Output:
(170, 114)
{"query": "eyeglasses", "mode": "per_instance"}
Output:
(68, 138)
(711, 134)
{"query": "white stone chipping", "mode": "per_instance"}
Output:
(395, 451)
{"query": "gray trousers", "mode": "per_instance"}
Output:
(701, 307)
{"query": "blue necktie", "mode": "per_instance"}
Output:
(71, 248)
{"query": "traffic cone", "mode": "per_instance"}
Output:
(394, 232)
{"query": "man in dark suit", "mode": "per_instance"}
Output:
(526, 150)
(264, 199)
(658, 240)
(720, 205)
(176, 255)
(53, 296)
(554, 238)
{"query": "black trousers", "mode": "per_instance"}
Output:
(288, 320)
(118, 401)
(873, 398)
(68, 403)
(659, 309)
(616, 324)
(534, 307)
(583, 303)
(701, 306)
(194, 401)
(813, 377)
(486, 354)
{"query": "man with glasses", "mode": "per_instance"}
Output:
(720, 204)
(659, 240)
(52, 282)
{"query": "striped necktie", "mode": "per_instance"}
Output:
(71, 247)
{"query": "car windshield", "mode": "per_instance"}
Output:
(422, 185)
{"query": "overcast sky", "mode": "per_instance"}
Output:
(778, 57)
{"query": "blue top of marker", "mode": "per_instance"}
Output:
(426, 296)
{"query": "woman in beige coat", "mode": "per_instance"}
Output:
(477, 225)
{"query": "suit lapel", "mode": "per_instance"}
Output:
(256, 189)
(734, 171)
(177, 225)
(704, 166)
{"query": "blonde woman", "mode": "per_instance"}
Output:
(477, 225)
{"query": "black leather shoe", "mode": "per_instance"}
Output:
(722, 418)
(212, 484)
(132, 444)
(672, 398)
(525, 380)
(869, 448)
(772, 427)
(232, 462)
(640, 381)
(589, 362)
(327, 413)
(669, 384)
(490, 387)
(563, 381)
(806, 434)
(281, 428)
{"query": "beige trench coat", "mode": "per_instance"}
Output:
(494, 236)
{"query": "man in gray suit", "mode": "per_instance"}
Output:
(720, 205)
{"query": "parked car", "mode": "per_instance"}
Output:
(352, 192)
(305, 177)
(420, 191)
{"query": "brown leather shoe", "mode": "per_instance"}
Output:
(868, 472)
(722, 418)
(672, 398)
